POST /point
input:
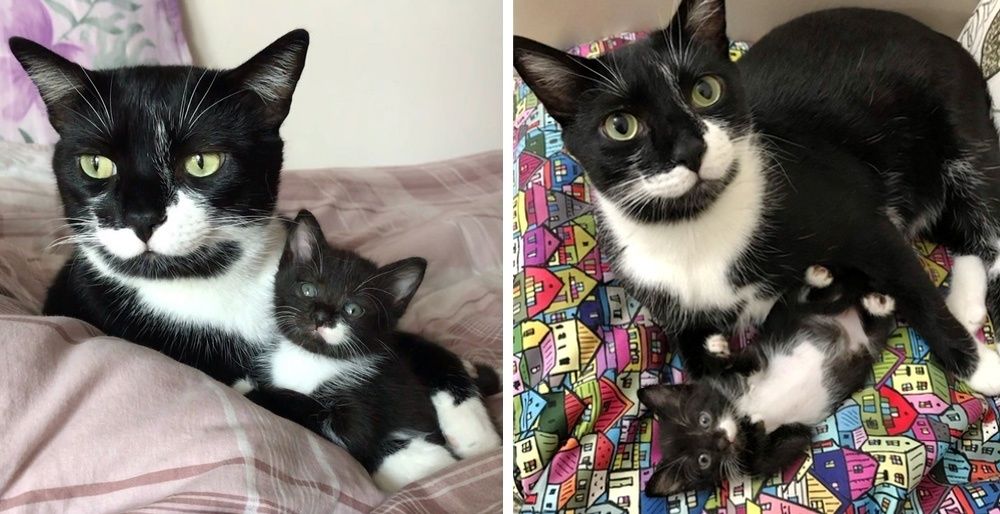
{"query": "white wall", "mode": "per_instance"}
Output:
(386, 82)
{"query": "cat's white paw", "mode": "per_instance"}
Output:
(818, 276)
(986, 378)
(243, 386)
(419, 459)
(717, 345)
(879, 305)
(467, 426)
(967, 297)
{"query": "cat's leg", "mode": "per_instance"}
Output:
(704, 349)
(410, 461)
(892, 265)
(780, 448)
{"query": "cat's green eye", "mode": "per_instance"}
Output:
(98, 166)
(621, 126)
(706, 91)
(353, 310)
(203, 164)
(307, 289)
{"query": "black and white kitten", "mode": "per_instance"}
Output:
(402, 405)
(168, 177)
(837, 138)
(816, 348)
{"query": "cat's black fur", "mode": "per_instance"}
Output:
(872, 128)
(147, 119)
(403, 370)
(697, 454)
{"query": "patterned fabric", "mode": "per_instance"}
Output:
(981, 37)
(94, 33)
(912, 440)
(181, 441)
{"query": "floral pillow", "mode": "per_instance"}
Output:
(94, 33)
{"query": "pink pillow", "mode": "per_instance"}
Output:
(96, 34)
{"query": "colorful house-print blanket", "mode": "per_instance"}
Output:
(913, 440)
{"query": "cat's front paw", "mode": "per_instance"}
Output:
(818, 276)
(717, 345)
(879, 305)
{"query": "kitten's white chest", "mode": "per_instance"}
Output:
(291, 367)
(789, 390)
(692, 259)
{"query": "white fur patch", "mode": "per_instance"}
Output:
(337, 334)
(818, 276)
(879, 305)
(418, 460)
(470, 368)
(967, 297)
(184, 230)
(240, 301)
(986, 378)
(243, 386)
(789, 390)
(728, 425)
(717, 345)
(672, 184)
(467, 426)
(292, 367)
(693, 259)
(120, 242)
(719, 153)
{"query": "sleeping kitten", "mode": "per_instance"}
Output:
(397, 402)
(835, 139)
(168, 177)
(816, 348)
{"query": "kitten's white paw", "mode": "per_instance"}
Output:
(243, 386)
(879, 305)
(986, 378)
(967, 298)
(418, 460)
(467, 426)
(717, 345)
(818, 276)
(470, 368)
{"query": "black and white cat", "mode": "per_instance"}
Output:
(755, 417)
(838, 137)
(169, 176)
(402, 405)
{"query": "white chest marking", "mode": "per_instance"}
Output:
(789, 390)
(692, 259)
(293, 368)
(240, 301)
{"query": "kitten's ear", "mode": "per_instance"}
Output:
(304, 238)
(703, 21)
(556, 77)
(273, 73)
(664, 482)
(401, 280)
(661, 396)
(58, 80)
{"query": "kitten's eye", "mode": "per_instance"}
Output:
(353, 310)
(307, 289)
(704, 461)
(203, 164)
(707, 91)
(705, 419)
(621, 126)
(98, 166)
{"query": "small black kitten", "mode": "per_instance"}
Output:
(402, 405)
(756, 416)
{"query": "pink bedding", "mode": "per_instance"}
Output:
(90, 423)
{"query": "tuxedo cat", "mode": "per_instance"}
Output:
(816, 347)
(837, 138)
(397, 402)
(168, 177)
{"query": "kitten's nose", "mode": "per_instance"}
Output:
(723, 443)
(688, 151)
(143, 223)
(322, 317)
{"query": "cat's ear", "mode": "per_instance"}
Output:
(703, 21)
(273, 73)
(556, 77)
(304, 237)
(58, 80)
(662, 396)
(664, 482)
(401, 280)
